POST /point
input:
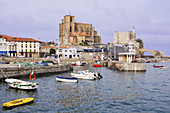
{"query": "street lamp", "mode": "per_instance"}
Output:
(58, 50)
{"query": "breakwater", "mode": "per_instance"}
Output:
(25, 71)
(124, 66)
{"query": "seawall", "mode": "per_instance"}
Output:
(123, 66)
(24, 71)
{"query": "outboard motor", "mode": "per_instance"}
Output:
(95, 76)
(99, 75)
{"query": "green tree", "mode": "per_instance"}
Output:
(52, 51)
(139, 40)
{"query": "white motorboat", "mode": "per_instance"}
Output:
(81, 75)
(86, 75)
(79, 63)
(96, 75)
(66, 79)
(20, 84)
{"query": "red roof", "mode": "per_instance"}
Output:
(18, 39)
(82, 34)
(64, 47)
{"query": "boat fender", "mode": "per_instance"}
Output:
(31, 77)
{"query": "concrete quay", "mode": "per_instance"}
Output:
(123, 66)
(15, 71)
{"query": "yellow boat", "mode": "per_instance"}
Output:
(18, 102)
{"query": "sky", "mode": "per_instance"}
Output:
(39, 19)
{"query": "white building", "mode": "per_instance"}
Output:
(68, 52)
(3, 46)
(16, 46)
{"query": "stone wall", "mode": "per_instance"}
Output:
(23, 71)
(123, 66)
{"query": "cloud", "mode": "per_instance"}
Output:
(41, 18)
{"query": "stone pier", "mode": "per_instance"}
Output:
(124, 66)
(38, 70)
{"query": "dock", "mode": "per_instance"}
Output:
(7, 71)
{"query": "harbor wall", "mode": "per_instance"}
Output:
(123, 66)
(24, 71)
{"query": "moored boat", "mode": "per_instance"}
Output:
(66, 79)
(20, 84)
(18, 102)
(73, 63)
(86, 75)
(79, 63)
(97, 64)
(158, 66)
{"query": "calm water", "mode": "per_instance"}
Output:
(146, 92)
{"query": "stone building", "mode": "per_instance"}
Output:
(71, 32)
(126, 38)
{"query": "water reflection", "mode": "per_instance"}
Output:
(76, 95)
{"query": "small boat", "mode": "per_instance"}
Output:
(86, 75)
(79, 63)
(20, 84)
(18, 102)
(81, 75)
(98, 64)
(158, 66)
(66, 79)
(73, 63)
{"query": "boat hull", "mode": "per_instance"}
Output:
(97, 65)
(65, 79)
(20, 84)
(82, 76)
(18, 102)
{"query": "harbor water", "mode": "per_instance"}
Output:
(116, 92)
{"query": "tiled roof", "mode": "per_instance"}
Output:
(18, 39)
(81, 34)
(64, 47)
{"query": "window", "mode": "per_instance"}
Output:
(25, 45)
(65, 50)
(65, 55)
(77, 55)
(34, 50)
(21, 45)
(70, 50)
(70, 29)
(70, 19)
(30, 45)
(74, 55)
(34, 45)
(30, 50)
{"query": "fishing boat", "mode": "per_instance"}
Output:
(97, 64)
(79, 63)
(158, 66)
(20, 84)
(86, 75)
(18, 102)
(66, 79)
(73, 63)
(81, 75)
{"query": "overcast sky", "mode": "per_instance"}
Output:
(39, 19)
